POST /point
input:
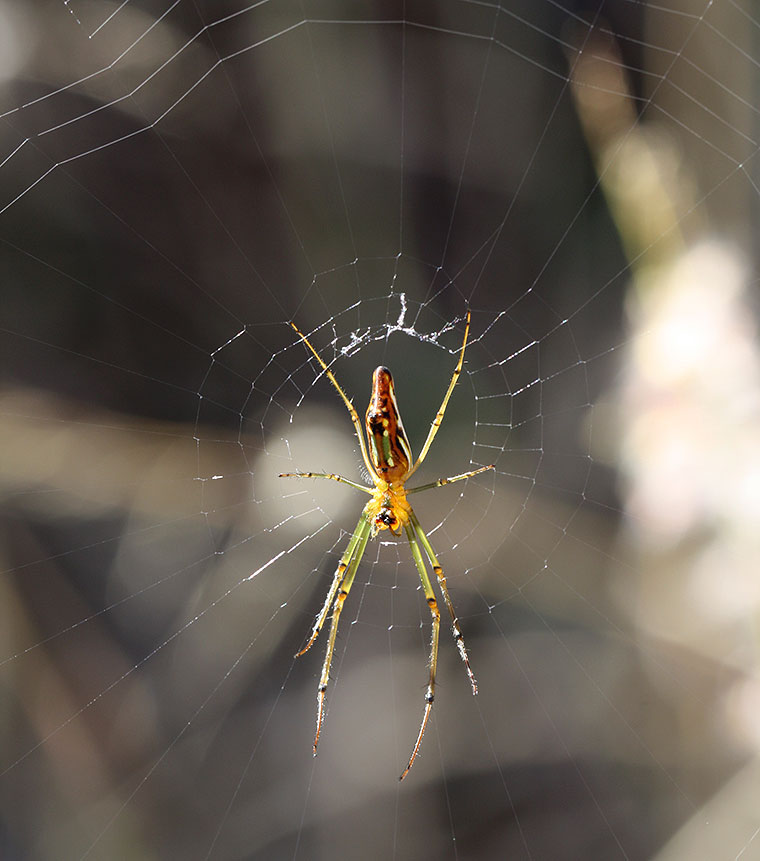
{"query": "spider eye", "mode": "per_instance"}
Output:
(386, 519)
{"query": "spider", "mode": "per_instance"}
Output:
(390, 464)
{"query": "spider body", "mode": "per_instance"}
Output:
(389, 462)
(388, 446)
(388, 508)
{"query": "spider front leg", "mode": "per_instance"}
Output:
(433, 663)
(340, 571)
(455, 629)
(416, 536)
(359, 542)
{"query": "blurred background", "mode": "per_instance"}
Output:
(178, 180)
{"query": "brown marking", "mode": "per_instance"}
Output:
(388, 447)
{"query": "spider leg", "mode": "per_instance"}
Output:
(362, 528)
(441, 481)
(349, 406)
(455, 629)
(436, 614)
(439, 415)
(359, 542)
(331, 475)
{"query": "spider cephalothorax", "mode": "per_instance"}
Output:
(389, 508)
(388, 458)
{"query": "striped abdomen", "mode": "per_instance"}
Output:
(388, 446)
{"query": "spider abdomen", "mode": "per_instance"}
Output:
(388, 446)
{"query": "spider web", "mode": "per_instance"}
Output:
(181, 179)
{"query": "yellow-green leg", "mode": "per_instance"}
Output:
(435, 613)
(441, 481)
(359, 542)
(439, 415)
(332, 476)
(455, 629)
(361, 528)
